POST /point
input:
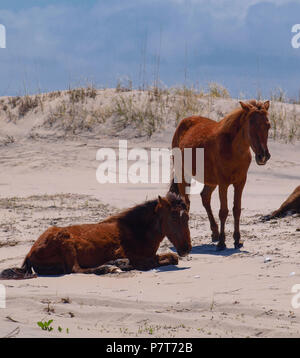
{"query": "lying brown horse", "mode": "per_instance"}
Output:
(227, 158)
(131, 237)
(290, 205)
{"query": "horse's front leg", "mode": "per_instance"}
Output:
(167, 259)
(149, 263)
(223, 213)
(238, 190)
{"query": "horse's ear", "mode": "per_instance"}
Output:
(160, 200)
(245, 106)
(160, 203)
(267, 105)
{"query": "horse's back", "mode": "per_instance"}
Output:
(86, 235)
(194, 132)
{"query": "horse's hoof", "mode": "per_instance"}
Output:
(115, 269)
(238, 245)
(221, 246)
(215, 237)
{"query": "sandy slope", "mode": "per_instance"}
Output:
(229, 294)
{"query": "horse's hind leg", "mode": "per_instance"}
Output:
(223, 213)
(238, 190)
(206, 199)
(100, 270)
(112, 266)
(72, 265)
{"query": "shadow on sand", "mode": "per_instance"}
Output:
(170, 268)
(210, 249)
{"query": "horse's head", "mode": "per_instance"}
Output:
(175, 222)
(258, 128)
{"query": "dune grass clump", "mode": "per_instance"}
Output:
(28, 103)
(81, 94)
(218, 91)
(145, 111)
(149, 110)
(285, 123)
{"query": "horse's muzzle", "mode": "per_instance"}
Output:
(262, 158)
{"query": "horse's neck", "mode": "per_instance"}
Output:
(146, 224)
(235, 131)
(157, 229)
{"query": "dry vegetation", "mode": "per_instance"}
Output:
(142, 112)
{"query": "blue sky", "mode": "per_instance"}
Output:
(244, 45)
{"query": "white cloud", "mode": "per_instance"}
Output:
(223, 38)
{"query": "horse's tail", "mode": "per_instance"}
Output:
(18, 273)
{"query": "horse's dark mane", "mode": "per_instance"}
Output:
(176, 200)
(141, 210)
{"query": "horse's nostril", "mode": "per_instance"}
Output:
(261, 159)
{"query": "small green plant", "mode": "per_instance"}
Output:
(45, 326)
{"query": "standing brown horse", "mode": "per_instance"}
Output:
(131, 239)
(227, 158)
